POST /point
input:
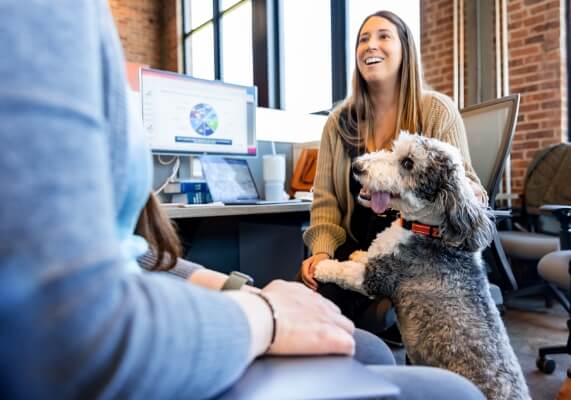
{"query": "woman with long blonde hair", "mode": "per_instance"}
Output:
(387, 97)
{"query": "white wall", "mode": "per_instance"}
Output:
(288, 126)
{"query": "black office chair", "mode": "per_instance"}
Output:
(555, 268)
(535, 233)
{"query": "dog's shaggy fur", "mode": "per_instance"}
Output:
(438, 285)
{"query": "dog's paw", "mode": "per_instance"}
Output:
(327, 271)
(348, 274)
(359, 256)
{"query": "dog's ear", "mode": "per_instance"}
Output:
(467, 224)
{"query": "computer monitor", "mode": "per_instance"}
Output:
(184, 115)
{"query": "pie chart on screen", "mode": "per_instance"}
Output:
(204, 119)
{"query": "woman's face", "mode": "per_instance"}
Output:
(379, 51)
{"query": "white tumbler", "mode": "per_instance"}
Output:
(274, 171)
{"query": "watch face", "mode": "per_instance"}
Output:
(236, 280)
(247, 278)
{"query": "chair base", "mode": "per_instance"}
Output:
(561, 297)
(544, 351)
(547, 365)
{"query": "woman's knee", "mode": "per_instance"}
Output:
(428, 383)
(371, 350)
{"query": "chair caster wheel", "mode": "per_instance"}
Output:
(545, 365)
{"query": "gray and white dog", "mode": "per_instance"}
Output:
(429, 264)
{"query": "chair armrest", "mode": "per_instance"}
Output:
(563, 214)
(502, 214)
(556, 209)
(508, 213)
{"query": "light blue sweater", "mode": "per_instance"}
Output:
(74, 321)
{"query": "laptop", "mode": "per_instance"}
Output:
(230, 181)
(326, 377)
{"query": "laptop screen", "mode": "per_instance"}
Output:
(228, 179)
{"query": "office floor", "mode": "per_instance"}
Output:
(530, 326)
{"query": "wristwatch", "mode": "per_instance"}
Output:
(236, 280)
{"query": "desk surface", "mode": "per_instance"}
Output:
(205, 210)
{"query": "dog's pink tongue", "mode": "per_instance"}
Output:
(380, 201)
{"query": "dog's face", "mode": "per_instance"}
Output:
(425, 180)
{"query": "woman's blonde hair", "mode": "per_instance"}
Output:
(355, 117)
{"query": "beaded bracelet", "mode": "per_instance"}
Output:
(274, 318)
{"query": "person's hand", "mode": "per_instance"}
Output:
(307, 323)
(250, 289)
(308, 269)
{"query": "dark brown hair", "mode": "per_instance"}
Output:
(159, 231)
(355, 122)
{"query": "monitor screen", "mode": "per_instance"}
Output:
(185, 115)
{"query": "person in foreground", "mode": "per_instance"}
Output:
(387, 97)
(77, 317)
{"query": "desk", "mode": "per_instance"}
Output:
(264, 241)
(205, 210)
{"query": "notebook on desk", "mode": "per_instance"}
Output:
(230, 181)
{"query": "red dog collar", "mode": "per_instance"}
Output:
(421, 229)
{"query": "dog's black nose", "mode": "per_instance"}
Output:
(357, 168)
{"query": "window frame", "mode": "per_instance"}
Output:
(267, 52)
(215, 20)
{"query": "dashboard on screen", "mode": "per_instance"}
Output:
(185, 115)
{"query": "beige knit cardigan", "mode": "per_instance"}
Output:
(332, 201)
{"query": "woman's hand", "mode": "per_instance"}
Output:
(307, 323)
(308, 269)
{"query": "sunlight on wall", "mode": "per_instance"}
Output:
(288, 126)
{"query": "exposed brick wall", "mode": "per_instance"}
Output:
(147, 29)
(536, 69)
(537, 72)
(436, 44)
(170, 35)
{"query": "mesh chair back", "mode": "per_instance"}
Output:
(490, 127)
(547, 179)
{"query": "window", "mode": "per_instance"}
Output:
(307, 55)
(218, 40)
(198, 12)
(200, 48)
(293, 43)
(226, 4)
(237, 45)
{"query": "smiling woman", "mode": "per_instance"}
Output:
(387, 97)
(409, 11)
(379, 52)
